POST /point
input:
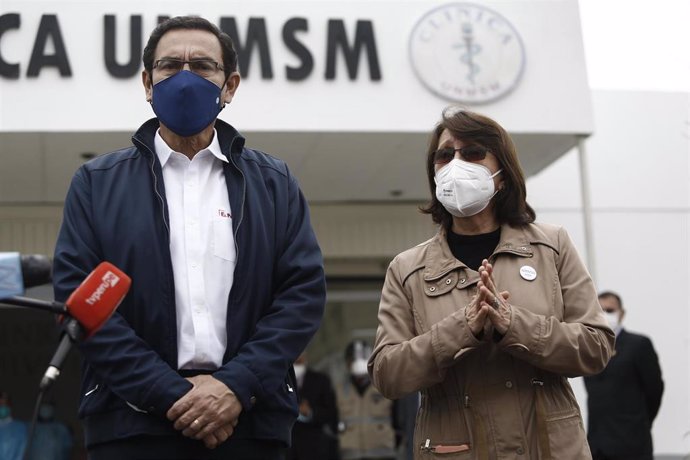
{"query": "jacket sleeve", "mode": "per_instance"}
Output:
(122, 360)
(582, 343)
(649, 376)
(404, 362)
(290, 321)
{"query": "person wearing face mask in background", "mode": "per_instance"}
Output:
(13, 433)
(624, 399)
(228, 284)
(314, 436)
(488, 318)
(367, 419)
(52, 439)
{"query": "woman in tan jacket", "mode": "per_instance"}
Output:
(489, 317)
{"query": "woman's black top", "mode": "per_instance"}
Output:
(472, 249)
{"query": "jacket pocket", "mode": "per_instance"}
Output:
(437, 286)
(284, 398)
(442, 430)
(567, 438)
(96, 398)
(560, 431)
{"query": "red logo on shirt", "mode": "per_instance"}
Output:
(223, 213)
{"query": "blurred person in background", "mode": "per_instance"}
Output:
(366, 417)
(624, 399)
(13, 432)
(314, 435)
(489, 317)
(52, 439)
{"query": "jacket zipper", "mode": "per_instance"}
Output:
(244, 194)
(155, 189)
(173, 339)
(444, 448)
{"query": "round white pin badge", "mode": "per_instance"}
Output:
(528, 272)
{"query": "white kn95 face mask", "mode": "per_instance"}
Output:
(464, 188)
(613, 319)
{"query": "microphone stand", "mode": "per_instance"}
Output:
(71, 329)
(19, 301)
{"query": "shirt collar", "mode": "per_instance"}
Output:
(163, 150)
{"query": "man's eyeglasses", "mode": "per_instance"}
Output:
(202, 67)
(469, 153)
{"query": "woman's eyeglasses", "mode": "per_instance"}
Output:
(468, 153)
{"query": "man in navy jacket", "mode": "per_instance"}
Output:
(227, 276)
(624, 399)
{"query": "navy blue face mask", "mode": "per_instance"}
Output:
(186, 103)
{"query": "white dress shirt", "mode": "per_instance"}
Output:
(202, 248)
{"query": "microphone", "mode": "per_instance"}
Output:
(21, 271)
(89, 306)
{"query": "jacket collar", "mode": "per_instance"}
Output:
(439, 260)
(230, 140)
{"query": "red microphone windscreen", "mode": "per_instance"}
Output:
(98, 296)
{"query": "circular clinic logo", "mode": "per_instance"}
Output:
(467, 53)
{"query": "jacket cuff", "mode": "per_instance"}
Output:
(525, 333)
(167, 390)
(241, 381)
(451, 338)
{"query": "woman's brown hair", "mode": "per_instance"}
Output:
(510, 203)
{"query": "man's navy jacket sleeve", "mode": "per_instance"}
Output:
(289, 322)
(649, 373)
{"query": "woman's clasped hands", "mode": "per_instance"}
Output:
(489, 307)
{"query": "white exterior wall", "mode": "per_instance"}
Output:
(550, 31)
(640, 192)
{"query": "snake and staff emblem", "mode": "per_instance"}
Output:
(470, 49)
(467, 53)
